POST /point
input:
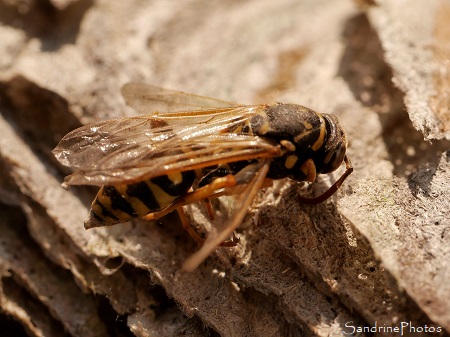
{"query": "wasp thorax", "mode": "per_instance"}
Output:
(304, 136)
(291, 122)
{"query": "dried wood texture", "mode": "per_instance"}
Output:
(416, 40)
(377, 253)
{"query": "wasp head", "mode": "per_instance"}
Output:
(332, 152)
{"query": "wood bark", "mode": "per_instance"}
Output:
(376, 254)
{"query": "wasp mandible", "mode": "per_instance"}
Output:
(152, 164)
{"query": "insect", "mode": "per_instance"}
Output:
(152, 164)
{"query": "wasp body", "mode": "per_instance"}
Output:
(123, 202)
(152, 164)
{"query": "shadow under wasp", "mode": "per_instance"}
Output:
(153, 164)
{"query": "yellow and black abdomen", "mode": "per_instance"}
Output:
(121, 203)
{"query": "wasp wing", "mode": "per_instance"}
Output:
(130, 149)
(146, 98)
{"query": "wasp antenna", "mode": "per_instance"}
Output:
(333, 188)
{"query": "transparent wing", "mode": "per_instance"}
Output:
(146, 98)
(130, 149)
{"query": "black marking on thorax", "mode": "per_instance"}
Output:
(288, 122)
(297, 124)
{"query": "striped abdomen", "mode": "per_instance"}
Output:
(122, 203)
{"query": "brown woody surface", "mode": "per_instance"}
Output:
(378, 251)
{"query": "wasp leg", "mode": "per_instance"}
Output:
(230, 243)
(333, 188)
(195, 196)
(187, 226)
(238, 189)
(243, 202)
(309, 169)
(200, 194)
(209, 208)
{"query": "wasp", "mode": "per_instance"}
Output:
(193, 149)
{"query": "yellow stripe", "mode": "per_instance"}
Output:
(290, 161)
(106, 202)
(319, 142)
(163, 198)
(175, 177)
(265, 127)
(138, 206)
